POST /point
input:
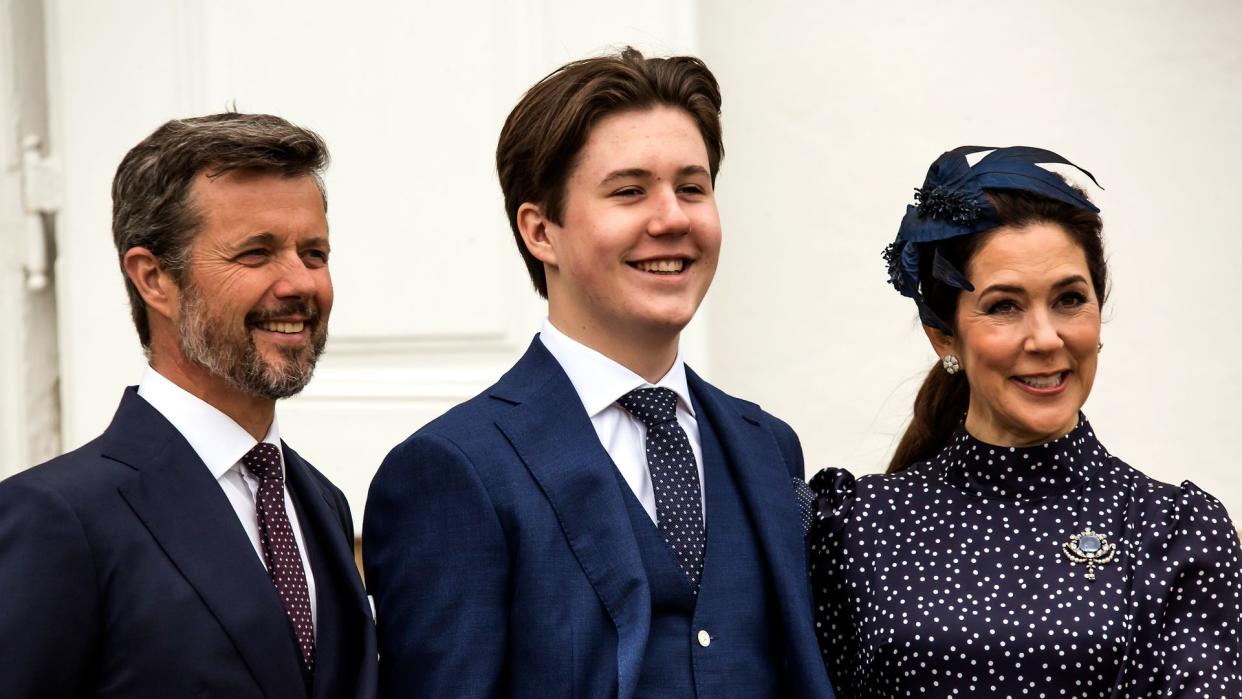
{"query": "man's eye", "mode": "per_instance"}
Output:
(252, 256)
(692, 189)
(316, 257)
(627, 192)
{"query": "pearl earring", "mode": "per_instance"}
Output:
(951, 364)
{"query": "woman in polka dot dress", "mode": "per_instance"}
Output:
(1007, 553)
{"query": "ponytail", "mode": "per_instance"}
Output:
(938, 408)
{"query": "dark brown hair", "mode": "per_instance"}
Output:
(943, 398)
(151, 193)
(541, 138)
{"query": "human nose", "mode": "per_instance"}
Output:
(669, 217)
(296, 280)
(1043, 335)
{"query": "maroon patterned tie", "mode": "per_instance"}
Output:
(280, 549)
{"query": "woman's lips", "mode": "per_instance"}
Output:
(1043, 384)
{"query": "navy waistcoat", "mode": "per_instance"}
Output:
(735, 606)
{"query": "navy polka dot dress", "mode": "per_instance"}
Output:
(1047, 571)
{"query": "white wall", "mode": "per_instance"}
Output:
(432, 298)
(833, 111)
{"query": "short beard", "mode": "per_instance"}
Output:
(214, 344)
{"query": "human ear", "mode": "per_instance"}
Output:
(942, 342)
(533, 226)
(155, 284)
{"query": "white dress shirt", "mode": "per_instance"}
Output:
(599, 382)
(221, 443)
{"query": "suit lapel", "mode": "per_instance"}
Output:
(341, 606)
(763, 478)
(553, 436)
(189, 516)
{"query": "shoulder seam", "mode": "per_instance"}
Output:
(437, 436)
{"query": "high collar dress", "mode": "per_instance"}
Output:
(1048, 571)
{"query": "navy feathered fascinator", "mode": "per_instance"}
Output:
(952, 202)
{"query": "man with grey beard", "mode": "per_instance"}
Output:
(188, 551)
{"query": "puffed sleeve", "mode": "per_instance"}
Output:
(1187, 582)
(837, 618)
(834, 499)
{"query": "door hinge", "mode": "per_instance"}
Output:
(42, 197)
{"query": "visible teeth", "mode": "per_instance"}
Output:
(661, 265)
(282, 327)
(1043, 381)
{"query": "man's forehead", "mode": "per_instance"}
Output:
(213, 178)
(632, 143)
(238, 189)
(259, 209)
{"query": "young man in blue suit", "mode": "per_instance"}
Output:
(601, 521)
(188, 551)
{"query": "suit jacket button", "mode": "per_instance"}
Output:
(705, 639)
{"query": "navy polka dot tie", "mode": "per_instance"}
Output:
(280, 549)
(675, 476)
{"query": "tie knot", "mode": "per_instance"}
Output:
(263, 461)
(652, 406)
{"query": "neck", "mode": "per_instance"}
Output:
(648, 354)
(253, 413)
(989, 430)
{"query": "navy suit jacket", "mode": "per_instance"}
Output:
(502, 561)
(125, 573)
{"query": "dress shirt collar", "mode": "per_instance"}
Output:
(215, 437)
(598, 380)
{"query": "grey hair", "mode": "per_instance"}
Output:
(151, 192)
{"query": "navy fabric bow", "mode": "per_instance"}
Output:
(952, 202)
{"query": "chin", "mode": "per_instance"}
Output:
(669, 325)
(672, 316)
(1047, 425)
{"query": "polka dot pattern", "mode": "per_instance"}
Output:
(806, 502)
(674, 476)
(949, 579)
(280, 549)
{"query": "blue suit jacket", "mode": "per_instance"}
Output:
(502, 561)
(125, 573)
